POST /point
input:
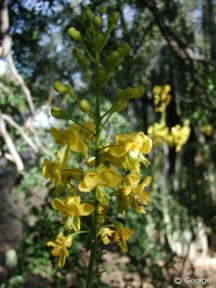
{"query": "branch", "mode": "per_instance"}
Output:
(5, 51)
(177, 43)
(5, 39)
(21, 82)
(28, 140)
(10, 145)
(145, 33)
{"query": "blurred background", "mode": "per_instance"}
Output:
(173, 43)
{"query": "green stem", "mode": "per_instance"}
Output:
(93, 248)
(94, 229)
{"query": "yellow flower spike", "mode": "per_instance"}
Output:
(105, 233)
(60, 246)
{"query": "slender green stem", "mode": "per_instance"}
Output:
(93, 248)
(94, 229)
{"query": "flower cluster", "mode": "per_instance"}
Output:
(117, 175)
(176, 136)
(108, 172)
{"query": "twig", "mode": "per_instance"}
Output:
(28, 140)
(11, 147)
(21, 82)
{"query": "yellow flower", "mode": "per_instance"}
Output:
(140, 196)
(180, 135)
(130, 182)
(161, 97)
(72, 209)
(159, 132)
(122, 235)
(60, 246)
(101, 177)
(207, 129)
(105, 233)
(74, 136)
(128, 151)
(59, 174)
(132, 193)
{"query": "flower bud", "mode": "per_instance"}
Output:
(97, 21)
(59, 113)
(130, 93)
(112, 59)
(113, 20)
(74, 34)
(119, 105)
(126, 48)
(80, 58)
(85, 106)
(61, 88)
(138, 91)
(102, 10)
(88, 13)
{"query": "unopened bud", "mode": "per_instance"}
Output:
(138, 91)
(81, 59)
(126, 48)
(59, 113)
(112, 59)
(130, 93)
(74, 34)
(61, 88)
(113, 20)
(102, 10)
(97, 21)
(85, 106)
(89, 13)
(119, 105)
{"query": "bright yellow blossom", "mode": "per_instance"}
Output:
(132, 193)
(72, 209)
(128, 151)
(59, 174)
(207, 129)
(122, 235)
(161, 97)
(140, 196)
(74, 136)
(177, 136)
(105, 233)
(180, 135)
(102, 176)
(159, 132)
(60, 246)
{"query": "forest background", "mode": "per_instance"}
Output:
(173, 43)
